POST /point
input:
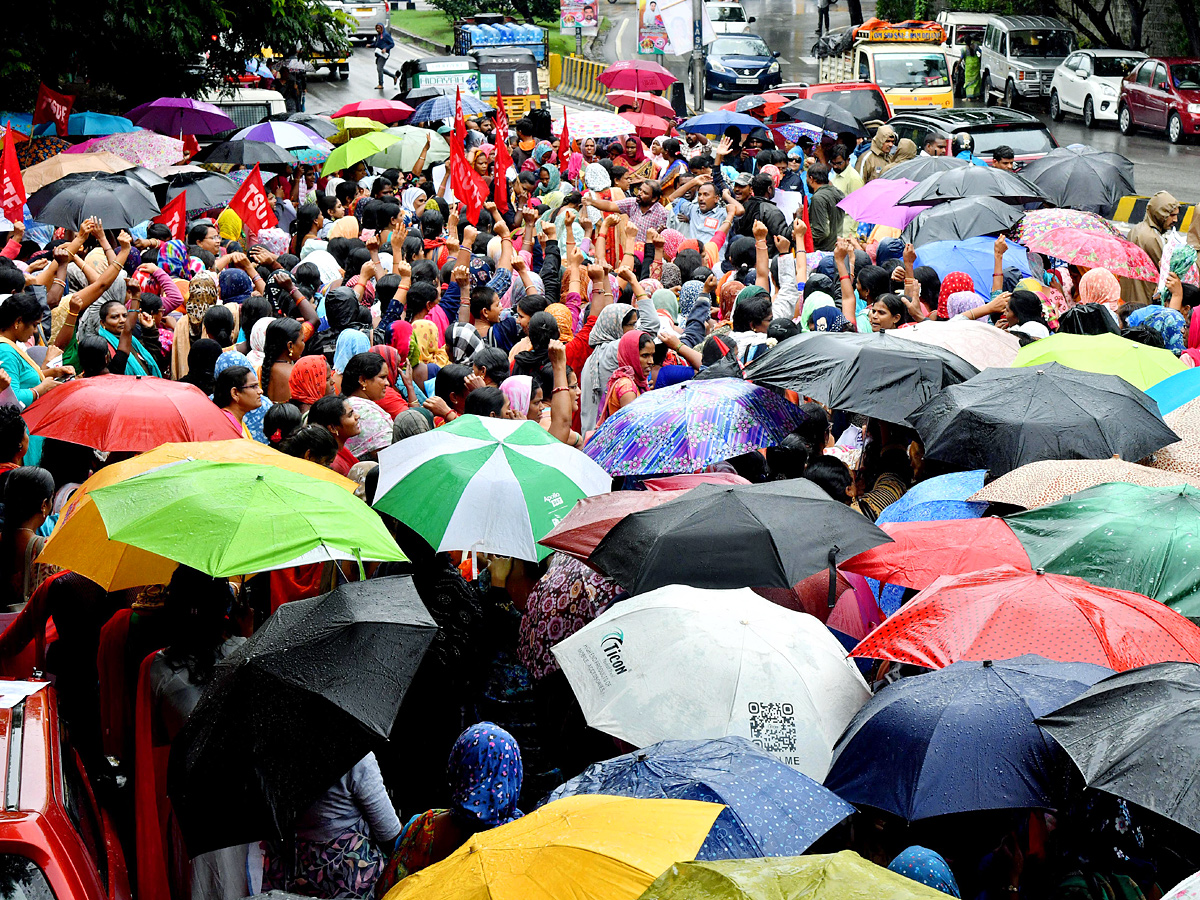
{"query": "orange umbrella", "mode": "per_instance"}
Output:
(646, 126)
(646, 103)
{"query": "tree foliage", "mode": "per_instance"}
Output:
(528, 10)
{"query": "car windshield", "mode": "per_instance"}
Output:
(911, 70)
(1023, 141)
(727, 14)
(1040, 44)
(739, 47)
(866, 106)
(964, 33)
(1186, 76)
(1115, 66)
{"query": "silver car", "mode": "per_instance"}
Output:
(1019, 56)
(364, 16)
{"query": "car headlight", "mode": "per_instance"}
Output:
(1194, 109)
(1108, 90)
(773, 68)
(717, 67)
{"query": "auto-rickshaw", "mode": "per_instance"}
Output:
(441, 72)
(514, 71)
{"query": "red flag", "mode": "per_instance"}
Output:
(53, 107)
(564, 145)
(468, 187)
(191, 146)
(503, 158)
(174, 216)
(250, 203)
(501, 118)
(12, 188)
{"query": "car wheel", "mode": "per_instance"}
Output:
(1175, 129)
(344, 72)
(1010, 94)
(986, 85)
(1125, 121)
(1056, 112)
(1089, 113)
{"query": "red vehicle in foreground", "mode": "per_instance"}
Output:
(55, 841)
(1163, 94)
(862, 99)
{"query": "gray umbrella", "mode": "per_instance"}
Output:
(962, 219)
(1080, 177)
(119, 202)
(923, 166)
(972, 181)
(205, 190)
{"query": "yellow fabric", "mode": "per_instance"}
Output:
(346, 226)
(229, 225)
(425, 333)
(586, 847)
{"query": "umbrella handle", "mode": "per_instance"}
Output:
(832, 559)
(362, 572)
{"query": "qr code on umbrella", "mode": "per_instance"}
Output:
(773, 727)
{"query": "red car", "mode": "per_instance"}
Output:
(1163, 94)
(864, 100)
(55, 841)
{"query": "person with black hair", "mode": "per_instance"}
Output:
(1023, 316)
(336, 415)
(788, 459)
(833, 477)
(491, 364)
(236, 391)
(450, 389)
(127, 355)
(314, 443)
(14, 438)
(542, 329)
(489, 402)
(281, 421)
(888, 311)
(219, 325)
(364, 382)
(307, 225)
(824, 215)
(759, 208)
(20, 317)
(28, 502)
(205, 236)
(282, 346)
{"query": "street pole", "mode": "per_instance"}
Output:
(578, 39)
(698, 53)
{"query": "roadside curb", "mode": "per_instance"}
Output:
(424, 43)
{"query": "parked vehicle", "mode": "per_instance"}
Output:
(364, 16)
(728, 17)
(246, 106)
(906, 61)
(861, 98)
(961, 29)
(496, 30)
(514, 71)
(1088, 84)
(989, 129)
(442, 72)
(1162, 94)
(740, 64)
(1020, 54)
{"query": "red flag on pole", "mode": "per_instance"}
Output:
(250, 203)
(503, 158)
(564, 145)
(501, 118)
(53, 107)
(174, 216)
(12, 188)
(468, 187)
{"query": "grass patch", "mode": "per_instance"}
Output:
(433, 25)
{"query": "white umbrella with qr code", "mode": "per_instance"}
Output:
(684, 663)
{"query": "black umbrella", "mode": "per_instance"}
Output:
(923, 166)
(205, 190)
(142, 176)
(247, 153)
(315, 689)
(416, 95)
(120, 202)
(322, 125)
(1004, 418)
(962, 219)
(1082, 178)
(721, 536)
(874, 374)
(823, 114)
(972, 181)
(1136, 735)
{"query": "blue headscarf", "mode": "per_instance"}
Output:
(235, 285)
(688, 295)
(350, 343)
(927, 867)
(485, 776)
(828, 318)
(1169, 323)
(253, 420)
(889, 248)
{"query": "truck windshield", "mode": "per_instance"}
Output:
(1041, 44)
(911, 70)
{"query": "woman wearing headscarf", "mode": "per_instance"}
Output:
(827, 318)
(234, 285)
(953, 283)
(392, 401)
(202, 294)
(519, 390)
(1169, 324)
(350, 343)
(635, 356)
(258, 340)
(928, 868)
(566, 324)
(610, 325)
(342, 314)
(1100, 286)
(311, 379)
(548, 180)
(363, 384)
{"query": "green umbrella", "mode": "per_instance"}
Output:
(1109, 354)
(230, 519)
(404, 155)
(358, 149)
(491, 485)
(1119, 535)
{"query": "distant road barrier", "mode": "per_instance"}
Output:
(1132, 209)
(578, 78)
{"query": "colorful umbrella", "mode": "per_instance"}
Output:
(646, 125)
(389, 112)
(636, 75)
(493, 485)
(1188, 889)
(1171, 393)
(40, 149)
(322, 125)
(144, 148)
(44, 173)
(1048, 481)
(774, 676)
(1106, 354)
(765, 104)
(566, 598)
(974, 256)
(311, 156)
(1094, 251)
(593, 124)
(770, 808)
(875, 203)
(289, 135)
(1006, 611)
(404, 154)
(358, 149)
(354, 126)
(585, 847)
(443, 107)
(959, 739)
(716, 122)
(593, 517)
(942, 497)
(981, 344)
(1037, 222)
(646, 103)
(181, 115)
(1183, 457)
(688, 426)
(794, 131)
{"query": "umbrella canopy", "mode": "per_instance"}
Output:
(289, 135)
(1005, 611)
(1183, 457)
(646, 125)
(637, 75)
(975, 256)
(1004, 418)
(764, 104)
(91, 123)
(354, 126)
(822, 114)
(38, 176)
(765, 531)
(389, 112)
(873, 374)
(875, 202)
(691, 425)
(593, 517)
(924, 167)
(73, 199)
(716, 122)
(923, 552)
(404, 154)
(770, 808)
(1039, 221)
(940, 498)
(961, 219)
(959, 739)
(973, 181)
(322, 125)
(40, 149)
(584, 847)
(1082, 178)
(205, 190)
(416, 95)
(181, 115)
(646, 103)
(1131, 730)
(358, 149)
(1105, 354)
(246, 153)
(1093, 251)
(1175, 391)
(1048, 481)
(980, 343)
(682, 663)
(1101, 534)
(493, 485)
(834, 876)
(442, 107)
(143, 148)
(1188, 889)
(594, 124)
(338, 664)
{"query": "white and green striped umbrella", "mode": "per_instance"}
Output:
(490, 485)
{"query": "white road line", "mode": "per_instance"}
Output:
(621, 35)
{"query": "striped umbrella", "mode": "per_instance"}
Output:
(443, 108)
(289, 135)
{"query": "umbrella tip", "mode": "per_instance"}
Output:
(1039, 571)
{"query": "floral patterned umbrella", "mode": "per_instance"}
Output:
(1092, 250)
(688, 426)
(1039, 221)
(39, 149)
(1049, 480)
(593, 125)
(143, 148)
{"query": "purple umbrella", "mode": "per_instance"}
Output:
(179, 115)
(289, 135)
(875, 202)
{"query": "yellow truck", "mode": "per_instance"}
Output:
(908, 61)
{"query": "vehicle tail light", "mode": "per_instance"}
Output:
(1020, 76)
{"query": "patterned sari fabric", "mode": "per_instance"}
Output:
(566, 598)
(347, 866)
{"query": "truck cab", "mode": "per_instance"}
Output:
(908, 61)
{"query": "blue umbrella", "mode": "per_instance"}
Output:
(20, 121)
(443, 108)
(770, 808)
(91, 123)
(973, 256)
(716, 122)
(959, 739)
(943, 497)
(1171, 393)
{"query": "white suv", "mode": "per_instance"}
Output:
(1088, 82)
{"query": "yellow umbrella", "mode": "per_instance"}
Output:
(48, 171)
(80, 539)
(586, 847)
(354, 126)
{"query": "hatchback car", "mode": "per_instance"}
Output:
(988, 128)
(740, 64)
(1163, 94)
(1088, 82)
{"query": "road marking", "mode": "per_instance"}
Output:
(621, 34)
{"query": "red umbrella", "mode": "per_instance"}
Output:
(1004, 612)
(646, 103)
(764, 104)
(646, 125)
(925, 551)
(389, 112)
(593, 517)
(1123, 258)
(128, 413)
(637, 75)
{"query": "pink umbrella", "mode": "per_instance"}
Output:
(646, 103)
(875, 203)
(1093, 251)
(85, 147)
(637, 75)
(648, 126)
